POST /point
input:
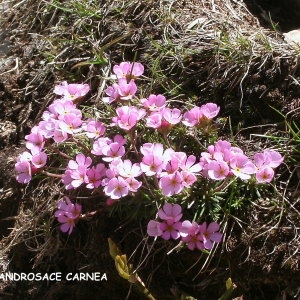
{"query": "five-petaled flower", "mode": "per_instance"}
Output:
(67, 214)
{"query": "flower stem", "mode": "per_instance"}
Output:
(52, 174)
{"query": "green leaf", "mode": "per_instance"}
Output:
(122, 266)
(113, 248)
(230, 287)
(101, 61)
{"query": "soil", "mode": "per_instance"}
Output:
(261, 252)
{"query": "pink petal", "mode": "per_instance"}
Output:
(207, 244)
(176, 210)
(153, 228)
(200, 245)
(166, 235)
(72, 165)
(80, 158)
(175, 235)
(185, 227)
(216, 237)
(167, 210)
(213, 227)
(191, 246)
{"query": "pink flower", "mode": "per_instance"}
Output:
(71, 91)
(215, 159)
(261, 160)
(170, 227)
(127, 169)
(67, 179)
(133, 184)
(68, 223)
(128, 70)
(171, 184)
(188, 163)
(119, 139)
(154, 102)
(223, 151)
(25, 156)
(210, 110)
(126, 90)
(174, 161)
(269, 158)
(113, 151)
(210, 234)
(192, 117)
(116, 188)
(153, 228)
(80, 161)
(172, 165)
(200, 115)
(39, 159)
(264, 174)
(152, 164)
(241, 166)
(188, 178)
(114, 168)
(62, 108)
(221, 146)
(70, 124)
(128, 116)
(170, 230)
(164, 119)
(47, 128)
(191, 235)
(172, 116)
(24, 168)
(24, 173)
(60, 136)
(58, 109)
(66, 207)
(275, 158)
(154, 120)
(35, 141)
(94, 129)
(112, 93)
(149, 148)
(76, 172)
(68, 213)
(94, 176)
(99, 144)
(78, 176)
(120, 91)
(171, 213)
(153, 160)
(265, 162)
(217, 170)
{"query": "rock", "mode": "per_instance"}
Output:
(292, 37)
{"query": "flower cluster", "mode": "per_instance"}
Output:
(59, 122)
(67, 214)
(201, 116)
(110, 159)
(175, 170)
(124, 90)
(192, 234)
(223, 160)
